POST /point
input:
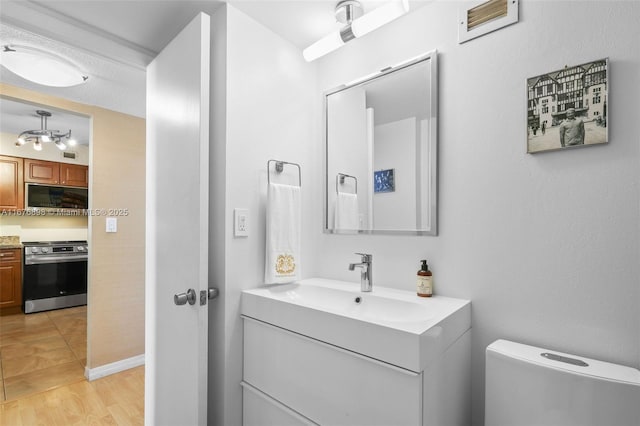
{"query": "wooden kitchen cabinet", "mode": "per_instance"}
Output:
(74, 175)
(39, 171)
(10, 280)
(50, 172)
(11, 183)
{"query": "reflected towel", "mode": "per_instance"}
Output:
(347, 213)
(284, 211)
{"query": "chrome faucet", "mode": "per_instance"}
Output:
(366, 277)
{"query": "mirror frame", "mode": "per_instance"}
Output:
(432, 57)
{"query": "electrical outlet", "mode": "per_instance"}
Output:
(241, 222)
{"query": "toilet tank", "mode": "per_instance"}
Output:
(527, 386)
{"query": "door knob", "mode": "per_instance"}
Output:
(183, 298)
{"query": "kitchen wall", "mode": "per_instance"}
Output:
(116, 265)
(45, 228)
(546, 246)
(268, 114)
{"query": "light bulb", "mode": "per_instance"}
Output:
(60, 145)
(45, 138)
(323, 46)
(37, 146)
(21, 141)
(72, 142)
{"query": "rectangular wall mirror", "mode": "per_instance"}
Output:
(381, 152)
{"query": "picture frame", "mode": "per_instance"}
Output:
(568, 108)
(384, 181)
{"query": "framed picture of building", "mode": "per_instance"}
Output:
(568, 108)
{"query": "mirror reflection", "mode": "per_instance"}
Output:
(381, 152)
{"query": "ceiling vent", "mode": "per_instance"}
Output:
(479, 18)
(69, 154)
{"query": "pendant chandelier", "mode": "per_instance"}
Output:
(44, 135)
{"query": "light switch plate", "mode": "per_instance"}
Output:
(241, 222)
(112, 224)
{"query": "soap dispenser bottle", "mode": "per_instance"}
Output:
(425, 281)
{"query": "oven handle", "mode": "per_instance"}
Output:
(55, 259)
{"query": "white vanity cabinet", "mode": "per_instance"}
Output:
(320, 352)
(324, 384)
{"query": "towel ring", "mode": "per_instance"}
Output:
(279, 167)
(341, 176)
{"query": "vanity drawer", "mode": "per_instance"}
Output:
(259, 409)
(327, 384)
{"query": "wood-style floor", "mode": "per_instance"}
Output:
(41, 351)
(113, 400)
(42, 359)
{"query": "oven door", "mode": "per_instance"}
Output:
(53, 283)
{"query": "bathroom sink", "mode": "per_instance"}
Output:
(389, 325)
(352, 303)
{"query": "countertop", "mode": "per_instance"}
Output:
(10, 242)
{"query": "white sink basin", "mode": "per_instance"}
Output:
(347, 300)
(390, 325)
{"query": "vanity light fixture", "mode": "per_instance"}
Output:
(350, 12)
(40, 66)
(43, 135)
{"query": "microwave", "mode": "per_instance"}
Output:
(45, 197)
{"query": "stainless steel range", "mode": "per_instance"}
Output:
(54, 275)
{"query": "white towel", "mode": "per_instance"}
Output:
(347, 215)
(284, 213)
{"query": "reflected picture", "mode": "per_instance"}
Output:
(383, 181)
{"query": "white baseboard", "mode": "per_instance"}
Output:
(114, 367)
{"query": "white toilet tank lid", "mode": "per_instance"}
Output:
(595, 368)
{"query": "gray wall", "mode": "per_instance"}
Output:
(546, 246)
(262, 109)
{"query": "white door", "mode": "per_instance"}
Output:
(177, 189)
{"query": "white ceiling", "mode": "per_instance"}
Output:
(113, 41)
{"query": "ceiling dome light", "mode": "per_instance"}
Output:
(40, 66)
